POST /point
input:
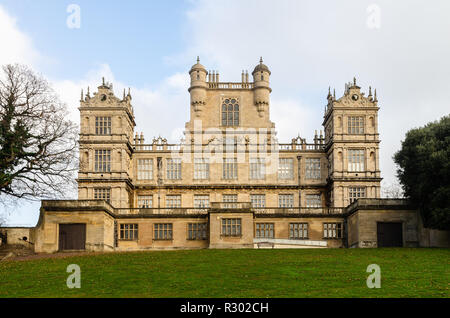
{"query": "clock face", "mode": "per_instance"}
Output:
(355, 97)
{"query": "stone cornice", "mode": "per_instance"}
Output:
(110, 108)
(355, 179)
(106, 180)
(160, 216)
(108, 142)
(379, 204)
(78, 205)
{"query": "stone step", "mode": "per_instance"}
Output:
(5, 250)
(3, 254)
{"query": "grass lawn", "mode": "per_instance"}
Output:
(234, 273)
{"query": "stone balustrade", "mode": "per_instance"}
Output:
(238, 206)
(230, 85)
(179, 147)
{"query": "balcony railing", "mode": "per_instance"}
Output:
(238, 206)
(261, 147)
(300, 147)
(162, 211)
(298, 210)
(231, 205)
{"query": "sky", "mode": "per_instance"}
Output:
(401, 48)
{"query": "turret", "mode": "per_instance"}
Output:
(261, 76)
(198, 87)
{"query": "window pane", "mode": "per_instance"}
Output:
(312, 168)
(286, 168)
(145, 169)
(230, 112)
(356, 160)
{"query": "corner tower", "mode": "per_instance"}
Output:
(106, 138)
(352, 146)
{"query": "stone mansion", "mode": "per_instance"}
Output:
(231, 131)
(229, 183)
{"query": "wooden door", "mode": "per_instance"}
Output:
(72, 236)
(389, 234)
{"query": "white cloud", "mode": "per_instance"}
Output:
(154, 107)
(69, 91)
(162, 110)
(17, 47)
(294, 117)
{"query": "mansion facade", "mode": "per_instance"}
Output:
(229, 183)
(230, 152)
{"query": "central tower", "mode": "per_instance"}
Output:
(220, 106)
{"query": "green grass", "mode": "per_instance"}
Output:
(234, 273)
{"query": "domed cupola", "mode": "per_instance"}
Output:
(197, 67)
(261, 67)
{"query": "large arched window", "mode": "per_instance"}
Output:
(230, 112)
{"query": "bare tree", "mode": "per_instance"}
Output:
(37, 142)
(392, 191)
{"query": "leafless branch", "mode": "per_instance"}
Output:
(38, 144)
